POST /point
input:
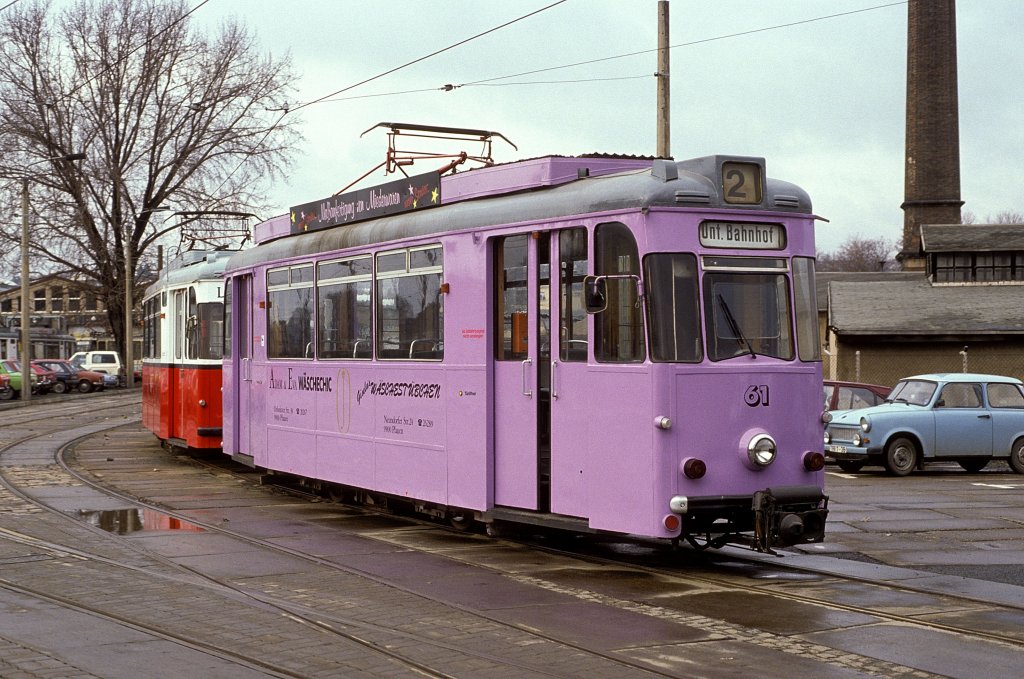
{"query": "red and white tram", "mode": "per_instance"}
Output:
(182, 349)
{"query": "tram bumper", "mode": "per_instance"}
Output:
(779, 517)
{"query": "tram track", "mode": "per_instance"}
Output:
(355, 630)
(348, 629)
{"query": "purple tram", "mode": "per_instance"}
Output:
(600, 344)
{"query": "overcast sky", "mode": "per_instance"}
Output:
(823, 101)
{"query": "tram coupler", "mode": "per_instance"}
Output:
(788, 515)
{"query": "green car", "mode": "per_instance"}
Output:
(12, 369)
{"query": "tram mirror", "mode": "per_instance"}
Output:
(595, 294)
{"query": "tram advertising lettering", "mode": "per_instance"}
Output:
(400, 389)
(301, 382)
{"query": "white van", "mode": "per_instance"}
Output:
(108, 362)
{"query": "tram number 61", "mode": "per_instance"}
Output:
(757, 395)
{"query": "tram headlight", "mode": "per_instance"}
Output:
(865, 425)
(761, 450)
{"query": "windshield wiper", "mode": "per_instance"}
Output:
(734, 326)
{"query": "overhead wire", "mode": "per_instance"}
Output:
(689, 44)
(432, 54)
(490, 82)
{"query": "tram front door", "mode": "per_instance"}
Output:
(539, 375)
(241, 362)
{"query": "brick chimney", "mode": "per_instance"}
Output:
(932, 186)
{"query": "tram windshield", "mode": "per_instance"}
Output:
(747, 313)
(204, 336)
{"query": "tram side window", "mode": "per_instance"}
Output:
(226, 346)
(572, 255)
(179, 322)
(673, 307)
(191, 326)
(618, 330)
(511, 308)
(290, 312)
(807, 339)
(410, 309)
(151, 328)
(345, 304)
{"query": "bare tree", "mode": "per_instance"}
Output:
(860, 254)
(168, 119)
(1003, 217)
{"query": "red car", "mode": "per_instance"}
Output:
(67, 377)
(852, 395)
(6, 393)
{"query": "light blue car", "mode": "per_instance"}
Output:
(966, 417)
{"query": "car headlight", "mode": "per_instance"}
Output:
(857, 440)
(828, 438)
(865, 424)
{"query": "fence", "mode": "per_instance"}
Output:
(887, 364)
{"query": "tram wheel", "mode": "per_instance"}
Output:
(460, 520)
(850, 466)
(1017, 456)
(974, 464)
(900, 456)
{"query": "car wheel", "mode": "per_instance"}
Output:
(851, 466)
(974, 464)
(60, 388)
(1017, 456)
(6, 394)
(900, 456)
(85, 386)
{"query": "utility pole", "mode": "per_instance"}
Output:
(664, 110)
(25, 355)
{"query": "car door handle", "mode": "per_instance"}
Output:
(984, 417)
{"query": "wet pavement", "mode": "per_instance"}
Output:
(232, 579)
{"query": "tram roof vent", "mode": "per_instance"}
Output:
(781, 200)
(665, 170)
(693, 196)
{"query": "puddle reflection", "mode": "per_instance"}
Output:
(125, 521)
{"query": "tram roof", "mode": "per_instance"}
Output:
(191, 266)
(528, 191)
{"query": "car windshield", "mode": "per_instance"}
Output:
(914, 392)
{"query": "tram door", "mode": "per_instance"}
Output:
(177, 373)
(520, 385)
(540, 361)
(242, 361)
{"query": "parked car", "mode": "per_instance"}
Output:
(965, 417)
(68, 377)
(12, 368)
(47, 379)
(852, 395)
(99, 361)
(6, 393)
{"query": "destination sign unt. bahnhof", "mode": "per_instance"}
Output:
(401, 195)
